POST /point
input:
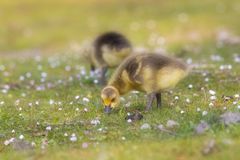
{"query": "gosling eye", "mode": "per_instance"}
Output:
(113, 100)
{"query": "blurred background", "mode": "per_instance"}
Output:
(50, 26)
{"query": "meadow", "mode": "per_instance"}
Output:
(50, 106)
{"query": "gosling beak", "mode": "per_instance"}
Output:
(107, 109)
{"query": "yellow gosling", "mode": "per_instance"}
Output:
(150, 73)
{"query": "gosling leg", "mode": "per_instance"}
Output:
(102, 80)
(92, 68)
(159, 100)
(150, 98)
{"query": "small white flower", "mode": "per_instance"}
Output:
(145, 126)
(204, 113)
(95, 81)
(77, 97)
(65, 134)
(6, 142)
(33, 144)
(60, 81)
(236, 95)
(229, 66)
(182, 112)
(234, 102)
(73, 138)
(21, 137)
(37, 102)
(128, 104)
(17, 102)
(43, 80)
(188, 100)
(206, 79)
(122, 99)
(83, 71)
(189, 61)
(198, 109)
(123, 138)
(213, 97)
(59, 108)
(225, 108)
(100, 129)
(48, 128)
(238, 106)
(176, 97)
(4, 90)
(11, 140)
(95, 122)
(135, 92)
(13, 131)
(51, 102)
(204, 74)
(28, 74)
(222, 67)
(211, 104)
(70, 78)
(77, 109)
(129, 120)
(43, 74)
(190, 86)
(85, 99)
(85, 110)
(20, 108)
(212, 92)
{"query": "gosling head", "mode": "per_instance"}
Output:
(110, 98)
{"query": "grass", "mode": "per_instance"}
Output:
(56, 25)
(114, 136)
(50, 90)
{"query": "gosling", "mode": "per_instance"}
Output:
(150, 73)
(109, 50)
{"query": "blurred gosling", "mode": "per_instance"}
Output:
(109, 50)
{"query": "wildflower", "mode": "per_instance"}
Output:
(73, 138)
(190, 86)
(198, 109)
(95, 122)
(188, 100)
(182, 111)
(204, 113)
(48, 128)
(21, 137)
(85, 99)
(212, 92)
